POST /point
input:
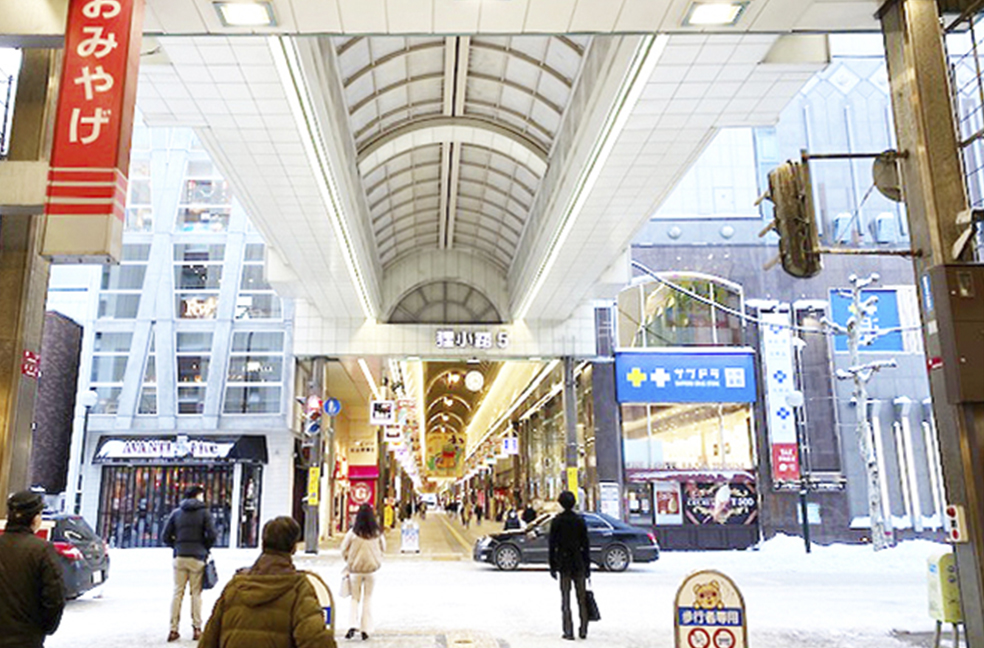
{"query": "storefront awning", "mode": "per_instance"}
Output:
(180, 449)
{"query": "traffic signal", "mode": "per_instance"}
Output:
(795, 221)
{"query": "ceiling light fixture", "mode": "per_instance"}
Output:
(245, 14)
(714, 14)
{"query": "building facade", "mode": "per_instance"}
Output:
(187, 350)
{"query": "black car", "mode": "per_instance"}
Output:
(614, 544)
(82, 554)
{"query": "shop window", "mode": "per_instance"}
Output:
(135, 501)
(256, 298)
(687, 437)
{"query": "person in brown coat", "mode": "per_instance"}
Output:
(271, 603)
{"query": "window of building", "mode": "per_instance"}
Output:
(139, 204)
(194, 351)
(681, 310)
(148, 390)
(255, 377)
(121, 285)
(205, 202)
(110, 351)
(197, 278)
(256, 298)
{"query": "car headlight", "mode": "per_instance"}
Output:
(483, 542)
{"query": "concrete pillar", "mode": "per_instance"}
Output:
(23, 274)
(608, 427)
(935, 194)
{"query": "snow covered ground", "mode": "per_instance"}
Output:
(838, 596)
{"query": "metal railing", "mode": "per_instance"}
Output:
(965, 51)
(6, 110)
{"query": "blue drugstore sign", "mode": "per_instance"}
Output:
(678, 376)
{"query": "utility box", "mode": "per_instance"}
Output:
(944, 588)
(958, 318)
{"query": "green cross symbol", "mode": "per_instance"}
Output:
(636, 377)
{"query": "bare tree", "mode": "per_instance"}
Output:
(861, 333)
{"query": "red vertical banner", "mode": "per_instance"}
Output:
(90, 155)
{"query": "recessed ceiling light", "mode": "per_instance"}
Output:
(245, 14)
(719, 14)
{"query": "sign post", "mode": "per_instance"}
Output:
(709, 612)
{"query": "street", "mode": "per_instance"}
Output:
(836, 596)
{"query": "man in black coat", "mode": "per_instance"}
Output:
(570, 556)
(190, 531)
(32, 594)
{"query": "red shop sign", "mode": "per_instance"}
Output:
(31, 364)
(785, 462)
(90, 153)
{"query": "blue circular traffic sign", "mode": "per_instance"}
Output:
(332, 406)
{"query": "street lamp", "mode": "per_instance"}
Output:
(88, 400)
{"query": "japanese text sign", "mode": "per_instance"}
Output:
(91, 144)
(685, 376)
(709, 612)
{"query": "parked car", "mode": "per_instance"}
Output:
(83, 556)
(614, 544)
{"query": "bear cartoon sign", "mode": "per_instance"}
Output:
(709, 612)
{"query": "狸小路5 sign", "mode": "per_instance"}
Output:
(685, 376)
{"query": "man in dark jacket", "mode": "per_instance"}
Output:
(32, 594)
(271, 603)
(190, 531)
(570, 556)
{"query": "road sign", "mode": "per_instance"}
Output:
(332, 407)
(709, 612)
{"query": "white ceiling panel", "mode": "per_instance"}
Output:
(549, 16)
(503, 17)
(316, 17)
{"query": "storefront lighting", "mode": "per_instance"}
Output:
(245, 14)
(714, 14)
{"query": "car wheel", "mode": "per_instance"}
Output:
(616, 558)
(507, 557)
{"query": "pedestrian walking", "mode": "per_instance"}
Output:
(271, 603)
(31, 589)
(362, 550)
(529, 514)
(190, 531)
(478, 514)
(570, 558)
(512, 520)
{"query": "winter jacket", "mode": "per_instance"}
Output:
(189, 529)
(269, 605)
(363, 556)
(32, 594)
(569, 548)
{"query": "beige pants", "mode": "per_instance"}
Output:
(187, 571)
(362, 592)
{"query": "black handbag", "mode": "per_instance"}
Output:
(594, 614)
(210, 577)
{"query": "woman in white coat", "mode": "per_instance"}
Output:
(362, 550)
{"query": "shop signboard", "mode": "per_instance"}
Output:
(158, 448)
(510, 446)
(314, 485)
(90, 152)
(361, 491)
(709, 612)
(709, 375)
(382, 412)
(610, 499)
(777, 365)
(720, 502)
(669, 507)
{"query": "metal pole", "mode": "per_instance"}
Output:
(570, 421)
(78, 482)
(315, 461)
(922, 106)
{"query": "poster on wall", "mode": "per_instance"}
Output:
(669, 509)
(720, 503)
(610, 499)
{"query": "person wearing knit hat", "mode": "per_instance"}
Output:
(32, 595)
